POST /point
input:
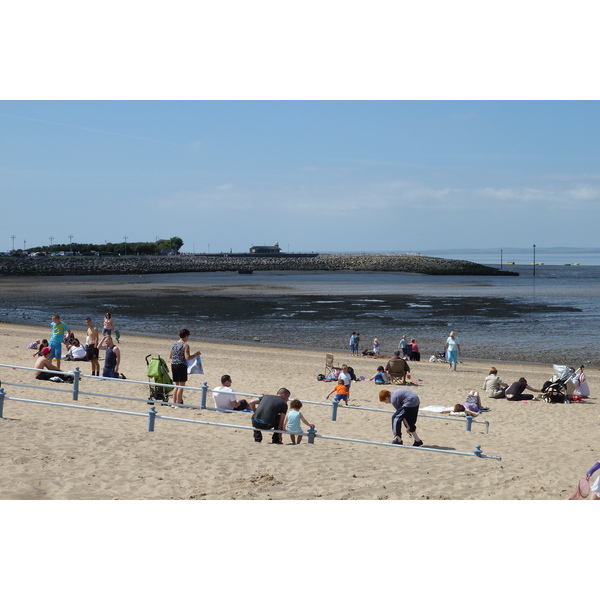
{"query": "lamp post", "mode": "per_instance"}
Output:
(13, 239)
(51, 240)
(501, 259)
(534, 260)
(24, 245)
(71, 244)
(125, 238)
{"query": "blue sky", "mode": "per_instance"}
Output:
(313, 175)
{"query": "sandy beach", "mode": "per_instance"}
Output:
(49, 452)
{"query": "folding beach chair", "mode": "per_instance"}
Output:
(329, 366)
(398, 371)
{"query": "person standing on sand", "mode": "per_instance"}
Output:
(108, 325)
(406, 404)
(452, 349)
(403, 346)
(59, 329)
(270, 414)
(180, 354)
(91, 347)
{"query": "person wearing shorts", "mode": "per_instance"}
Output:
(341, 392)
(91, 347)
(56, 339)
(180, 354)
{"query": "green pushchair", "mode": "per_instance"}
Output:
(161, 384)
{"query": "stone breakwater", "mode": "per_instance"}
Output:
(137, 265)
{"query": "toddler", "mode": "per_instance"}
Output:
(292, 421)
(380, 377)
(341, 392)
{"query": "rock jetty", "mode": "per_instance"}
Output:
(120, 265)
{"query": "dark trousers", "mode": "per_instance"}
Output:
(408, 413)
(517, 397)
(258, 435)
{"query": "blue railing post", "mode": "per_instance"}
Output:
(151, 419)
(204, 393)
(76, 374)
(334, 407)
(311, 435)
(469, 422)
(477, 451)
(1, 402)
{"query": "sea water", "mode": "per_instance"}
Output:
(550, 314)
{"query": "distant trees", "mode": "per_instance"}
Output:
(162, 246)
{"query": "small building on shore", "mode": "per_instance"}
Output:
(266, 249)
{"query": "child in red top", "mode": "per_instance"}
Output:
(341, 392)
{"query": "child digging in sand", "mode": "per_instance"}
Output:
(292, 421)
(341, 392)
(380, 377)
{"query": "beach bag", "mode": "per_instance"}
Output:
(194, 366)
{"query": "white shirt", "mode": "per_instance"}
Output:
(77, 351)
(223, 398)
(346, 377)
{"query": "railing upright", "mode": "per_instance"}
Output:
(204, 394)
(151, 419)
(334, 407)
(76, 374)
(1, 402)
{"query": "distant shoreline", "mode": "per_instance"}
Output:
(139, 265)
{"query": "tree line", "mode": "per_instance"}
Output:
(163, 246)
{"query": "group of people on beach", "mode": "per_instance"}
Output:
(49, 352)
(410, 348)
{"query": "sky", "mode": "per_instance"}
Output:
(323, 176)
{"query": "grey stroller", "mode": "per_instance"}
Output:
(556, 390)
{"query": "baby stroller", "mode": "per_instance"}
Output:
(159, 373)
(556, 390)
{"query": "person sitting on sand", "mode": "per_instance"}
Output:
(493, 386)
(45, 362)
(226, 400)
(43, 344)
(514, 391)
(341, 392)
(76, 351)
(380, 377)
